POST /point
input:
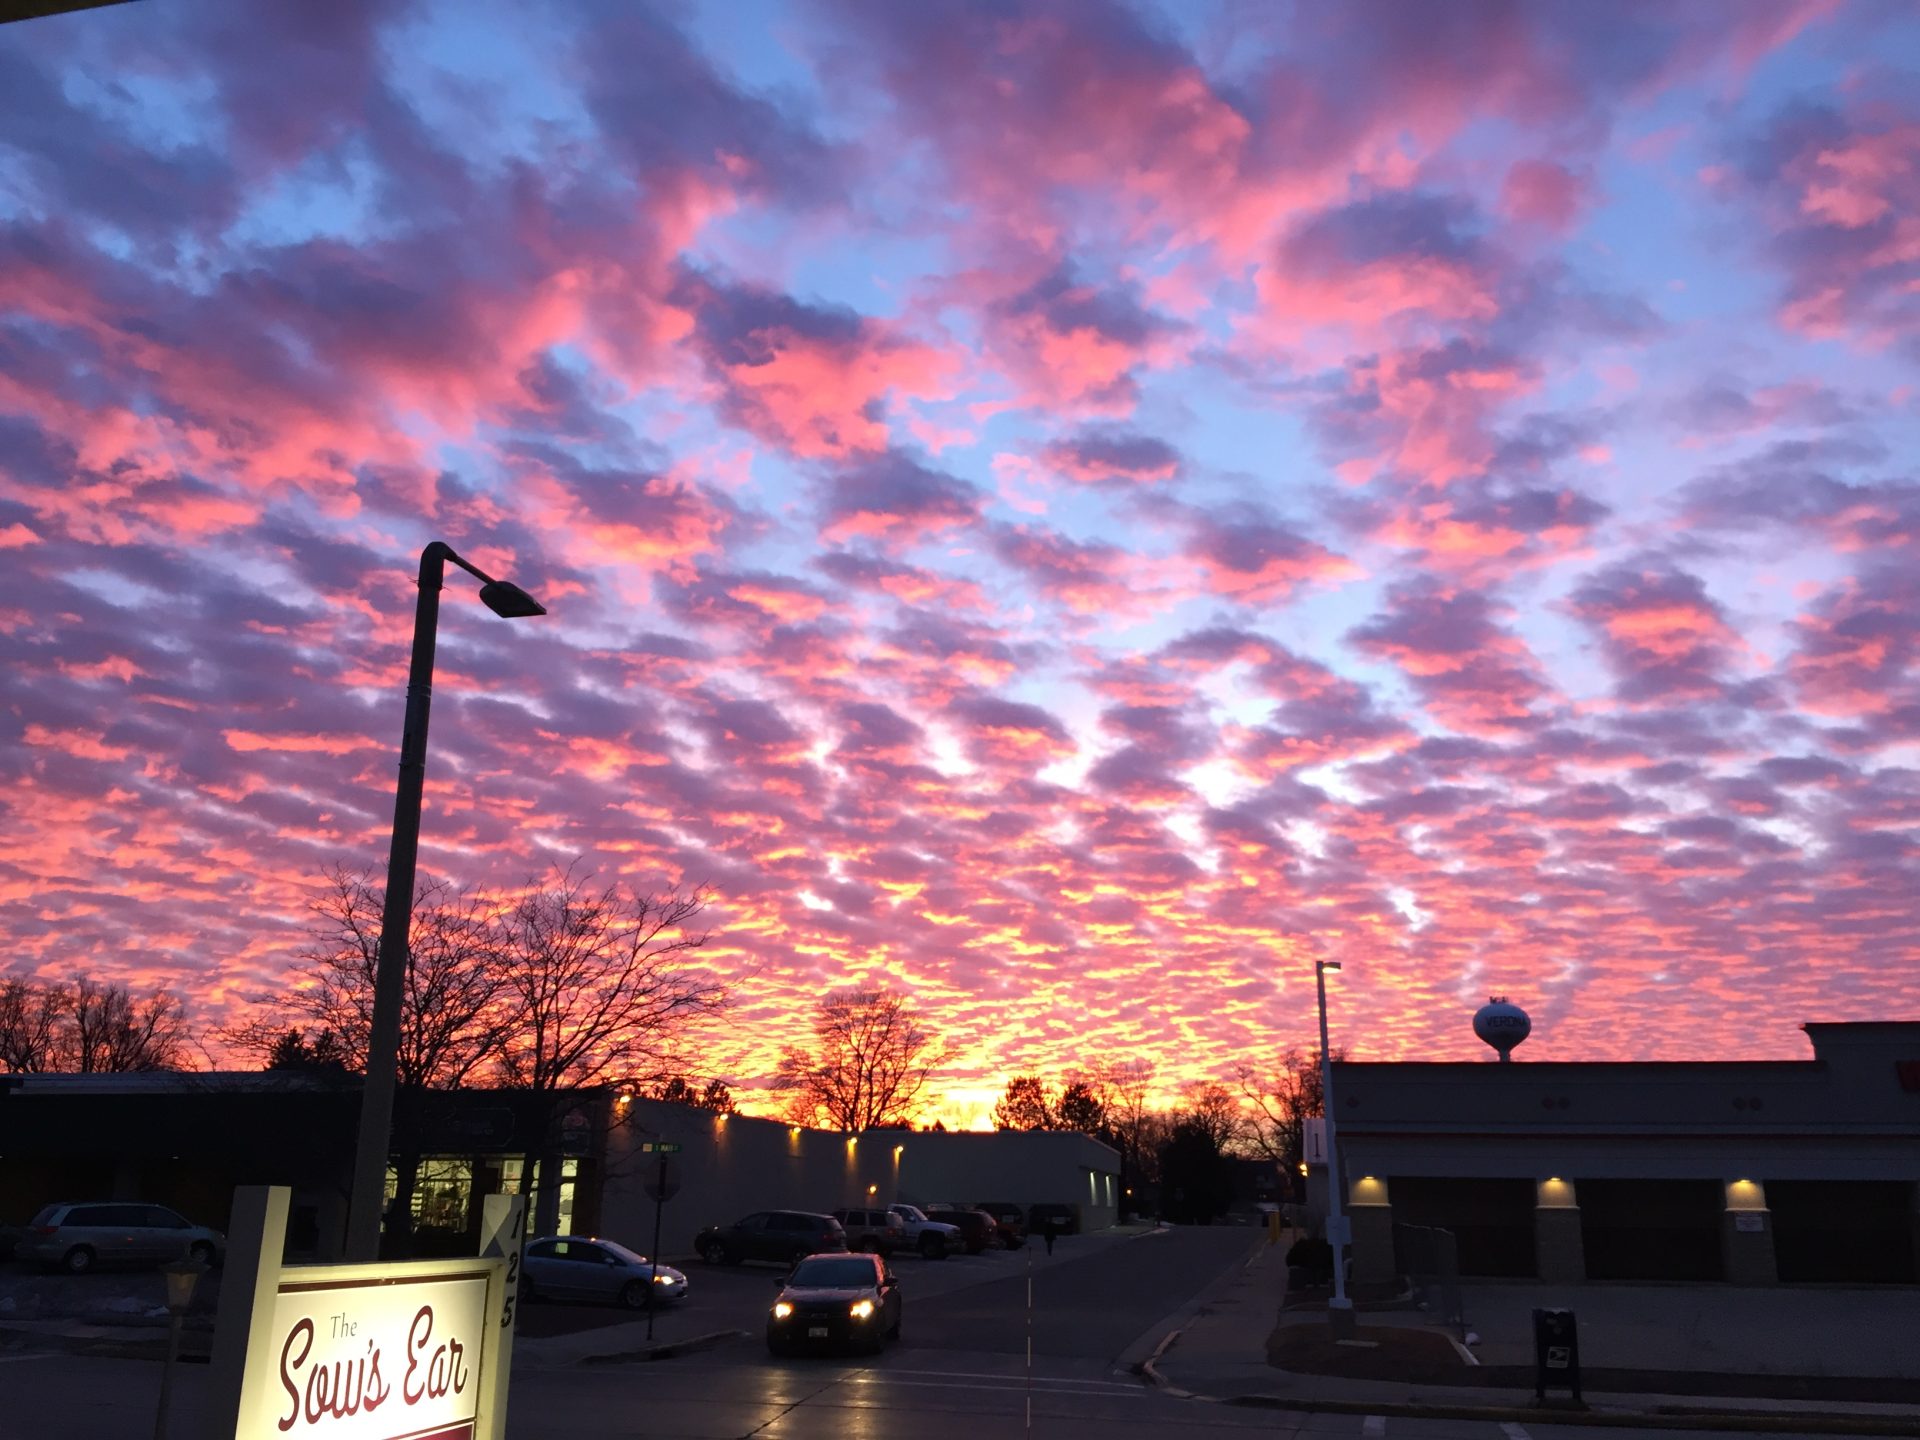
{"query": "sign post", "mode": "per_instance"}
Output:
(409, 1348)
(662, 1187)
(503, 1230)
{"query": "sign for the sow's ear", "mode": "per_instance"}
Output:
(392, 1359)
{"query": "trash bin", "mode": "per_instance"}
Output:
(1556, 1352)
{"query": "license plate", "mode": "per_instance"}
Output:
(816, 1332)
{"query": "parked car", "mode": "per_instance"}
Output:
(934, 1239)
(782, 1236)
(877, 1231)
(835, 1302)
(1061, 1219)
(77, 1237)
(1011, 1219)
(976, 1227)
(570, 1267)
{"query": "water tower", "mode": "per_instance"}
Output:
(1501, 1025)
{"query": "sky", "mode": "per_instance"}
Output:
(1076, 510)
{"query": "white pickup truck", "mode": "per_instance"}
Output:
(934, 1239)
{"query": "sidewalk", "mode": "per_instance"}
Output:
(1221, 1354)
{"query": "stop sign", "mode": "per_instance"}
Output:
(664, 1183)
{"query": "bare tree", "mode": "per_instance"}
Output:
(32, 1016)
(1213, 1110)
(450, 1009)
(109, 1031)
(596, 985)
(1134, 1127)
(1282, 1102)
(716, 1095)
(870, 1061)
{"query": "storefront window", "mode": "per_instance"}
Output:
(440, 1192)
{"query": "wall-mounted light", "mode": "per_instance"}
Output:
(872, 1190)
(896, 1151)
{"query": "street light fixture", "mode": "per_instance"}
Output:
(1340, 1307)
(510, 602)
(182, 1277)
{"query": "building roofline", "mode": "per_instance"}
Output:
(1613, 1067)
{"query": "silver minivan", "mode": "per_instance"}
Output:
(76, 1237)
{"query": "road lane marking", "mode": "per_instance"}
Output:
(938, 1380)
(1374, 1425)
(40, 1355)
(1515, 1432)
(993, 1375)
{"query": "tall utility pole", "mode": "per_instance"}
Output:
(1340, 1307)
(510, 602)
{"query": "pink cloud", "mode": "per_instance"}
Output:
(1540, 192)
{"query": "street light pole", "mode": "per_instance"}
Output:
(396, 917)
(1340, 1307)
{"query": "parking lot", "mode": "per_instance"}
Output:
(737, 1297)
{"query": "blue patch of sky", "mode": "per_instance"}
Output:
(160, 113)
(490, 77)
(821, 260)
(334, 199)
(762, 45)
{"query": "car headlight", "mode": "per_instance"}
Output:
(663, 1279)
(782, 1310)
(861, 1309)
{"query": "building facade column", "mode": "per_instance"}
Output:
(1370, 1212)
(1559, 1250)
(1746, 1235)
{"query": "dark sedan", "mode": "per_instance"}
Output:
(835, 1302)
(782, 1236)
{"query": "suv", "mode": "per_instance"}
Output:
(78, 1237)
(976, 1227)
(932, 1238)
(1011, 1219)
(877, 1231)
(783, 1236)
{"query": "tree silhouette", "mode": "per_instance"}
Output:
(1282, 1102)
(1024, 1106)
(868, 1066)
(1080, 1108)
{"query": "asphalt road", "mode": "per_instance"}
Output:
(909, 1395)
(1083, 1308)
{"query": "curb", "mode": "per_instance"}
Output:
(666, 1349)
(1150, 1368)
(1759, 1421)
(1763, 1421)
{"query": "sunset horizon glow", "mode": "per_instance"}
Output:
(1072, 509)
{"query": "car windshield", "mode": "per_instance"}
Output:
(834, 1274)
